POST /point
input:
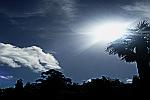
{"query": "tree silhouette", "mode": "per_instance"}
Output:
(28, 85)
(53, 79)
(19, 84)
(53, 84)
(134, 47)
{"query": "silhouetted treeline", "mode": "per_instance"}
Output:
(54, 84)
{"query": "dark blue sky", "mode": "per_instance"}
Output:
(37, 35)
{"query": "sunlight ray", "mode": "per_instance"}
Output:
(85, 47)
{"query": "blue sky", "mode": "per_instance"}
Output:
(37, 35)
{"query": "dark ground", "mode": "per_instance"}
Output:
(53, 84)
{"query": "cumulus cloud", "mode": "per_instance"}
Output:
(32, 57)
(140, 8)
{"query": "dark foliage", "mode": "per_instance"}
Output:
(127, 46)
(54, 84)
(135, 47)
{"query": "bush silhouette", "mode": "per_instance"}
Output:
(54, 84)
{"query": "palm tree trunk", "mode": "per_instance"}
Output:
(144, 71)
(144, 74)
(143, 63)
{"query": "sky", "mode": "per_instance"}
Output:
(38, 35)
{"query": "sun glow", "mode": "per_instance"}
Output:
(110, 32)
(104, 33)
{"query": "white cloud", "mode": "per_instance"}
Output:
(32, 57)
(140, 8)
(129, 80)
(6, 77)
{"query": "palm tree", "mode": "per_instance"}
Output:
(134, 47)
